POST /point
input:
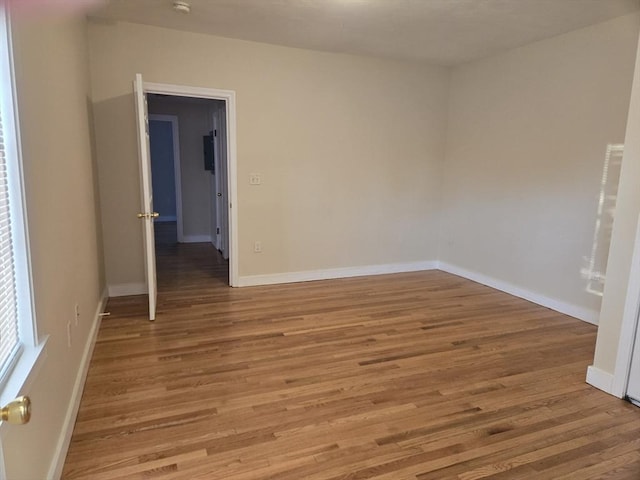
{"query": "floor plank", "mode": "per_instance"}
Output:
(412, 376)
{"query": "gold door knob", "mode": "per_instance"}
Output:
(148, 215)
(17, 412)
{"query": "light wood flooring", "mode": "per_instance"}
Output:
(413, 376)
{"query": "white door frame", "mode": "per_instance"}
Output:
(229, 97)
(629, 325)
(176, 167)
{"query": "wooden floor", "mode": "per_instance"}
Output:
(412, 376)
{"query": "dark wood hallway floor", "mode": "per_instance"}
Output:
(410, 376)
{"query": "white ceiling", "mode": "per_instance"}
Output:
(445, 32)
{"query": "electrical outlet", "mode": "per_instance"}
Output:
(69, 334)
(255, 179)
(257, 246)
(77, 314)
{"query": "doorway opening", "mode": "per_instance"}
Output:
(216, 155)
(189, 170)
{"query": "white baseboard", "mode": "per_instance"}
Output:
(584, 314)
(55, 470)
(600, 379)
(196, 239)
(126, 289)
(328, 274)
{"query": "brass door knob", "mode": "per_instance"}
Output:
(17, 412)
(148, 215)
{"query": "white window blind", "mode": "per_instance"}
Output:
(9, 334)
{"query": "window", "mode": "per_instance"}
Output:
(18, 344)
(9, 336)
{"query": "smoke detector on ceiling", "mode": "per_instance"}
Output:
(182, 7)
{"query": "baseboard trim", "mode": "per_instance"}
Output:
(328, 274)
(584, 314)
(600, 379)
(126, 289)
(55, 470)
(196, 239)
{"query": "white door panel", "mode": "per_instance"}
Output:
(218, 180)
(146, 214)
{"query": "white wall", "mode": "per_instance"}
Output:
(194, 121)
(351, 152)
(63, 216)
(526, 142)
(350, 148)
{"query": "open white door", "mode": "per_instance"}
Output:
(217, 180)
(146, 214)
(224, 181)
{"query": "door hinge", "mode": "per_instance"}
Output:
(218, 231)
(215, 133)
